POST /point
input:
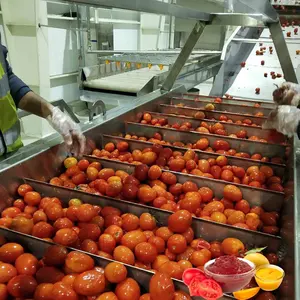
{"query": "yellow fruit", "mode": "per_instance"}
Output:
(209, 107)
(70, 161)
(258, 259)
(246, 294)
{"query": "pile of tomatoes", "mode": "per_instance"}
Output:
(211, 107)
(189, 163)
(204, 127)
(219, 146)
(64, 275)
(109, 233)
(158, 188)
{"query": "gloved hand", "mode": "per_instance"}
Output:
(287, 94)
(69, 130)
(284, 119)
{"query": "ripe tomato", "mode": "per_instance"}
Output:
(124, 255)
(145, 252)
(128, 290)
(232, 246)
(9, 252)
(7, 272)
(55, 255)
(22, 286)
(23, 189)
(26, 264)
(207, 288)
(133, 238)
(161, 287)
(180, 221)
(115, 272)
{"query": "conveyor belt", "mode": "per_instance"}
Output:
(128, 82)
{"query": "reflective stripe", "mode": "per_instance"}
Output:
(4, 86)
(10, 136)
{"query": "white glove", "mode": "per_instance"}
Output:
(287, 94)
(284, 119)
(69, 130)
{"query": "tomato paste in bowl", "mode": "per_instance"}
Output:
(232, 273)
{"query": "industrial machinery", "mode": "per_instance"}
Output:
(167, 99)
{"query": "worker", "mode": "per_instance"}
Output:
(14, 93)
(285, 118)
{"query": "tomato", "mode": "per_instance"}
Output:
(128, 290)
(108, 296)
(202, 244)
(161, 287)
(10, 252)
(164, 232)
(177, 243)
(181, 295)
(190, 274)
(7, 272)
(55, 255)
(147, 221)
(146, 252)
(89, 283)
(133, 238)
(42, 230)
(26, 264)
(180, 221)
(22, 286)
(62, 291)
(49, 275)
(23, 189)
(79, 262)
(207, 288)
(232, 246)
(66, 237)
(43, 291)
(69, 162)
(115, 272)
(172, 269)
(124, 254)
(115, 231)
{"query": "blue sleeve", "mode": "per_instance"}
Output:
(18, 88)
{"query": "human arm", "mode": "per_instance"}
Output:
(29, 101)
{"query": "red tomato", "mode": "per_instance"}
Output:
(207, 288)
(189, 274)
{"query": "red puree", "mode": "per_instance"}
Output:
(229, 265)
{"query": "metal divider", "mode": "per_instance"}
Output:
(268, 200)
(173, 135)
(205, 229)
(279, 170)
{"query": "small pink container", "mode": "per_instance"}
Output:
(231, 283)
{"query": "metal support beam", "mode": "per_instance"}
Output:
(183, 56)
(150, 6)
(282, 52)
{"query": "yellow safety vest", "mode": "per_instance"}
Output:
(10, 138)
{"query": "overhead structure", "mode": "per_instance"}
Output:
(256, 14)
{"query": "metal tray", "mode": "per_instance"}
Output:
(207, 230)
(209, 99)
(213, 114)
(279, 170)
(242, 109)
(268, 200)
(38, 246)
(231, 128)
(173, 135)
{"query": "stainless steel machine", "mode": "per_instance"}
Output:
(40, 161)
